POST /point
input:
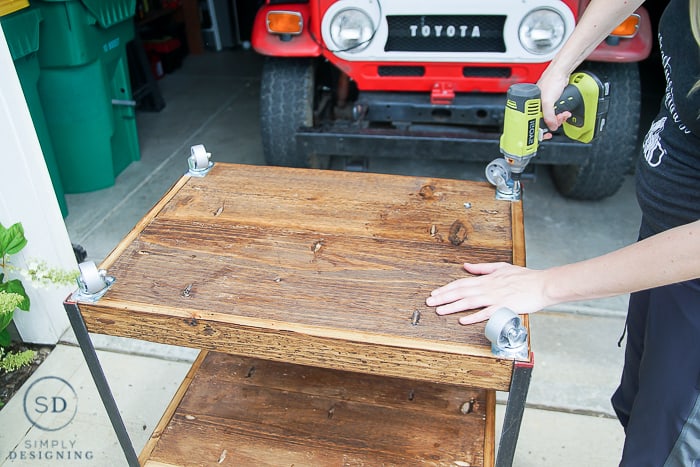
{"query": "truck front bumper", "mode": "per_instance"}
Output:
(409, 125)
(462, 145)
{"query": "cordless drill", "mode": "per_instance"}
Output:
(586, 97)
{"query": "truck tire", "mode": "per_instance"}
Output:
(612, 153)
(287, 91)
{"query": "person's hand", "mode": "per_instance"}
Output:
(551, 88)
(493, 286)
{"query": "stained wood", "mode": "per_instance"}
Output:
(313, 267)
(170, 410)
(383, 356)
(246, 411)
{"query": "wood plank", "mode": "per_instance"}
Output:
(243, 411)
(519, 255)
(170, 410)
(283, 345)
(141, 224)
(193, 28)
(354, 290)
(490, 430)
(363, 204)
(518, 226)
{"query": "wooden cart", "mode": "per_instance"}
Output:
(306, 291)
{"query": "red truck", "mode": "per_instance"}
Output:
(427, 79)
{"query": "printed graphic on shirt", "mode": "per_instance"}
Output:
(654, 152)
(669, 100)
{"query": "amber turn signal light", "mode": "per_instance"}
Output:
(284, 22)
(628, 28)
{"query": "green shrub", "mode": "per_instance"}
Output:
(13, 295)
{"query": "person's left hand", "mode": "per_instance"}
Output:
(493, 286)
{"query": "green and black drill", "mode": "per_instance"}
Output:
(586, 97)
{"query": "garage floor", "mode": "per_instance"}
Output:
(212, 100)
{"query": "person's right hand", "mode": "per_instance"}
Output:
(551, 88)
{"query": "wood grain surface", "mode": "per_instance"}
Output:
(245, 411)
(313, 267)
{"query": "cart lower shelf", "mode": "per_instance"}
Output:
(233, 410)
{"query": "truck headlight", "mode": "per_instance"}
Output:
(351, 30)
(542, 31)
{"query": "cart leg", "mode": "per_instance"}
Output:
(515, 407)
(93, 363)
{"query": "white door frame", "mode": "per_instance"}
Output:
(27, 196)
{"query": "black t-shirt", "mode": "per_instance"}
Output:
(668, 173)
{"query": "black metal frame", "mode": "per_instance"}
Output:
(515, 408)
(98, 375)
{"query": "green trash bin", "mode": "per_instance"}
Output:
(22, 33)
(86, 89)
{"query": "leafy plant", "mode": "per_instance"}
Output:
(12, 240)
(11, 361)
(13, 296)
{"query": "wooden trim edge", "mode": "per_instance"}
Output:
(490, 430)
(99, 314)
(141, 224)
(484, 372)
(170, 411)
(519, 253)
(518, 234)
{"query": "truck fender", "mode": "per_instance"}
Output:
(635, 49)
(274, 45)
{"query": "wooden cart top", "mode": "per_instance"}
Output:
(325, 268)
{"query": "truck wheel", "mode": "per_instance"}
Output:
(612, 154)
(286, 103)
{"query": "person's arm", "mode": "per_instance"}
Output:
(666, 258)
(596, 23)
